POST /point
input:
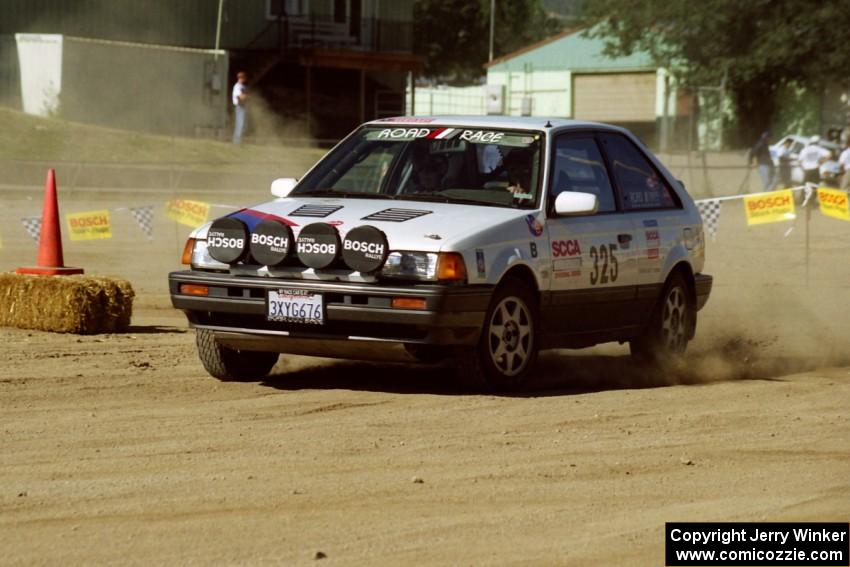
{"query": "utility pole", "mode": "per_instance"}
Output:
(218, 29)
(492, 25)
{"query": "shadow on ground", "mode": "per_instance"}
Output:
(562, 373)
(154, 330)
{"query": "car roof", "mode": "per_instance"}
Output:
(495, 122)
(805, 141)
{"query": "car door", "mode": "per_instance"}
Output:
(654, 208)
(594, 272)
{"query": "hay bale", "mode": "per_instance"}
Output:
(65, 304)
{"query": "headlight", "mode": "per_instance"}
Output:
(196, 254)
(425, 266)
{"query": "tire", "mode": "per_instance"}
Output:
(229, 364)
(507, 349)
(670, 326)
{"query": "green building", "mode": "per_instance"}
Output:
(568, 76)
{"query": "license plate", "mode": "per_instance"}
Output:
(295, 306)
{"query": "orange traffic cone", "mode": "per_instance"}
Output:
(50, 261)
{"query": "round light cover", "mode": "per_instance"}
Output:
(271, 242)
(365, 249)
(317, 245)
(227, 240)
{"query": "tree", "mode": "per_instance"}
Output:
(454, 35)
(754, 48)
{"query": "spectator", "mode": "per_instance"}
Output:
(785, 163)
(844, 162)
(240, 96)
(845, 135)
(811, 158)
(759, 155)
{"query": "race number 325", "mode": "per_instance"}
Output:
(605, 266)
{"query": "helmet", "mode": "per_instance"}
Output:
(814, 139)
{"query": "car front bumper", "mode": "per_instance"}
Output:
(359, 320)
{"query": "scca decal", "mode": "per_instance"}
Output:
(565, 248)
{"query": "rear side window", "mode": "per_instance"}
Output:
(640, 184)
(579, 167)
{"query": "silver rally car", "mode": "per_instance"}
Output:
(477, 239)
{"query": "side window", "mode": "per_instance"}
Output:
(579, 167)
(641, 186)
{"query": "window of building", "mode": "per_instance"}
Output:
(286, 8)
(340, 11)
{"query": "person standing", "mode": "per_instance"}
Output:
(785, 163)
(811, 158)
(240, 113)
(759, 155)
(844, 162)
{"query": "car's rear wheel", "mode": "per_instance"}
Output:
(230, 364)
(670, 326)
(509, 342)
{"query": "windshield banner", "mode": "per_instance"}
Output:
(458, 135)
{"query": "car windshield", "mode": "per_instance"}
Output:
(425, 163)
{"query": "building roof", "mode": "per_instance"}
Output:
(571, 51)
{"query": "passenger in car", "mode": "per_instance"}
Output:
(517, 166)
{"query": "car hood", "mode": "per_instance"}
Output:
(408, 225)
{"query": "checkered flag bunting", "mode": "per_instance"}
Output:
(32, 226)
(709, 210)
(144, 216)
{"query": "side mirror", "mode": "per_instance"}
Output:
(283, 187)
(571, 203)
(681, 184)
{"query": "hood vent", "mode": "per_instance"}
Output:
(315, 211)
(396, 215)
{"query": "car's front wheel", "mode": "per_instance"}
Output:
(509, 342)
(670, 326)
(230, 364)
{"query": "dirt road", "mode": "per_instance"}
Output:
(119, 449)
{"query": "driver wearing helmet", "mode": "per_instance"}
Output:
(429, 171)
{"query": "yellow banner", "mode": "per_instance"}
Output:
(776, 206)
(89, 225)
(190, 213)
(833, 203)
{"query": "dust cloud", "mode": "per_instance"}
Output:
(775, 310)
(266, 126)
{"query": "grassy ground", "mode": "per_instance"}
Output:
(28, 137)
